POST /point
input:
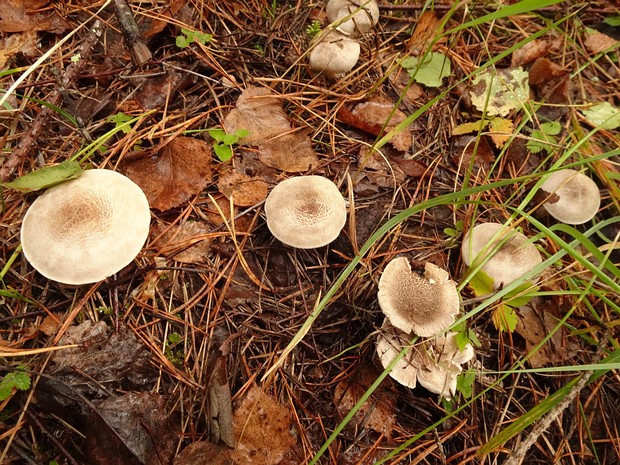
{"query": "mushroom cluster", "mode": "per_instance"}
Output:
(423, 305)
(575, 198)
(335, 51)
(305, 211)
(86, 229)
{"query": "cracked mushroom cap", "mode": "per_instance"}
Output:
(424, 305)
(361, 15)
(390, 341)
(334, 53)
(578, 199)
(86, 229)
(305, 211)
(514, 258)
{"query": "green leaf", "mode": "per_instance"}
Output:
(120, 119)
(450, 232)
(14, 380)
(181, 41)
(223, 152)
(497, 92)
(544, 133)
(431, 71)
(504, 318)
(482, 284)
(21, 380)
(241, 133)
(603, 115)
(612, 20)
(45, 177)
(517, 297)
(217, 134)
(465, 383)
(229, 139)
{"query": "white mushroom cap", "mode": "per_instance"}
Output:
(86, 229)
(514, 258)
(579, 196)
(361, 15)
(305, 211)
(424, 305)
(435, 363)
(334, 53)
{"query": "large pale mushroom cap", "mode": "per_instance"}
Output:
(425, 305)
(305, 211)
(361, 15)
(578, 196)
(514, 258)
(86, 229)
(334, 53)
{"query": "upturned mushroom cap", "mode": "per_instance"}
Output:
(514, 258)
(305, 211)
(334, 53)
(86, 229)
(361, 15)
(578, 196)
(435, 363)
(424, 305)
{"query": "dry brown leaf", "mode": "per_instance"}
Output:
(463, 151)
(529, 52)
(263, 429)
(597, 42)
(158, 91)
(49, 326)
(379, 171)
(534, 323)
(379, 110)
(259, 112)
(290, 152)
(244, 190)
(24, 42)
(377, 413)
(189, 237)
(180, 170)
(204, 453)
(20, 16)
(425, 30)
(401, 81)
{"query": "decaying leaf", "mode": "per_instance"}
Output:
(603, 115)
(289, 152)
(597, 42)
(24, 42)
(467, 128)
(534, 323)
(379, 170)
(427, 27)
(500, 130)
(244, 190)
(498, 92)
(377, 413)
(186, 243)
(204, 453)
(180, 170)
(220, 406)
(135, 428)
(263, 429)
(529, 52)
(19, 16)
(467, 147)
(260, 112)
(378, 112)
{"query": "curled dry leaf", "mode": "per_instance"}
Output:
(259, 112)
(244, 190)
(180, 170)
(378, 112)
(263, 429)
(19, 16)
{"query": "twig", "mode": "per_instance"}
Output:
(138, 49)
(517, 456)
(66, 81)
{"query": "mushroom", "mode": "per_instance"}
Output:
(305, 211)
(434, 363)
(425, 305)
(577, 198)
(86, 229)
(334, 53)
(515, 257)
(353, 17)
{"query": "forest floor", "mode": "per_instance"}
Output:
(218, 344)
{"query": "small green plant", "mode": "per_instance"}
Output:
(176, 356)
(188, 37)
(456, 231)
(17, 379)
(224, 142)
(313, 28)
(119, 120)
(544, 137)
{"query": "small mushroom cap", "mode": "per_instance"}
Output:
(305, 211)
(390, 341)
(86, 229)
(424, 305)
(362, 15)
(579, 197)
(515, 257)
(334, 53)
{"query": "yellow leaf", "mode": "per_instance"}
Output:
(466, 128)
(501, 130)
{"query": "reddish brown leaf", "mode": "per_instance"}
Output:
(244, 190)
(291, 152)
(185, 243)
(18, 16)
(427, 27)
(529, 52)
(379, 112)
(204, 453)
(180, 170)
